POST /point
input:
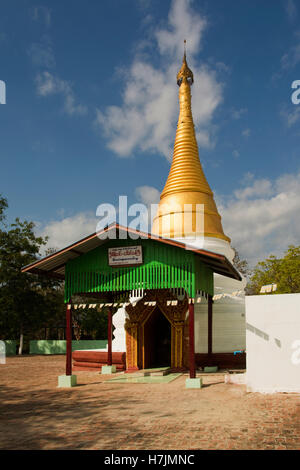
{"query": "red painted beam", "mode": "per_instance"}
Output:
(109, 338)
(209, 325)
(192, 341)
(69, 340)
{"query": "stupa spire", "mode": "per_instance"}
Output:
(186, 183)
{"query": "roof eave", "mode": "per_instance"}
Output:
(215, 258)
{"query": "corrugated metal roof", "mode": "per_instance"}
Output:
(54, 265)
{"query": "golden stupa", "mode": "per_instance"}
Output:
(187, 190)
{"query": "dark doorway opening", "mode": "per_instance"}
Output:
(157, 340)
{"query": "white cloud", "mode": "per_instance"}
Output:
(262, 218)
(261, 187)
(147, 118)
(291, 58)
(247, 178)
(143, 4)
(223, 67)
(147, 195)
(42, 54)
(49, 84)
(291, 9)
(68, 230)
(238, 113)
(183, 23)
(236, 153)
(42, 13)
(246, 132)
(290, 117)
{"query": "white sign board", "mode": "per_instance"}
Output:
(125, 256)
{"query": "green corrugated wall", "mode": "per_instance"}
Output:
(59, 346)
(163, 267)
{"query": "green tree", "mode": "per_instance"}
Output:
(241, 265)
(23, 297)
(3, 206)
(285, 272)
(88, 323)
(94, 324)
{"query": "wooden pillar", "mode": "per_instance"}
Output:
(109, 338)
(209, 326)
(69, 340)
(192, 341)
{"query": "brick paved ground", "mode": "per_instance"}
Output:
(34, 414)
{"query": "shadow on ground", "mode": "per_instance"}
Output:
(61, 419)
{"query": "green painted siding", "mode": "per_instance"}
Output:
(59, 346)
(204, 277)
(10, 347)
(163, 267)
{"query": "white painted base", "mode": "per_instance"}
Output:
(108, 370)
(238, 379)
(216, 245)
(66, 381)
(119, 318)
(271, 391)
(193, 383)
(119, 337)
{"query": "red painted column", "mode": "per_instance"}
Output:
(209, 326)
(69, 340)
(192, 341)
(109, 338)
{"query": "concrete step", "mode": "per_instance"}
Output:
(157, 371)
(160, 372)
(154, 372)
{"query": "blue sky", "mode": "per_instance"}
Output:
(92, 108)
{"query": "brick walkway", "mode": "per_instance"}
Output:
(34, 414)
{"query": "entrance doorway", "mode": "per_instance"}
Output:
(157, 341)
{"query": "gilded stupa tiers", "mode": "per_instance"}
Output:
(186, 183)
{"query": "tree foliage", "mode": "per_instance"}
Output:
(24, 298)
(32, 306)
(241, 265)
(90, 324)
(285, 272)
(3, 206)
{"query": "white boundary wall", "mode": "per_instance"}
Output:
(273, 343)
(229, 331)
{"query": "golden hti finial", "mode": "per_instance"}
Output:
(185, 73)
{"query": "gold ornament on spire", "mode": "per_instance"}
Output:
(185, 74)
(186, 187)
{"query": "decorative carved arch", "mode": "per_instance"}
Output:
(137, 316)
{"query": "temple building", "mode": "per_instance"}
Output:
(173, 295)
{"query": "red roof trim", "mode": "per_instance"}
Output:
(114, 226)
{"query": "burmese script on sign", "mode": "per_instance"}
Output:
(125, 255)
